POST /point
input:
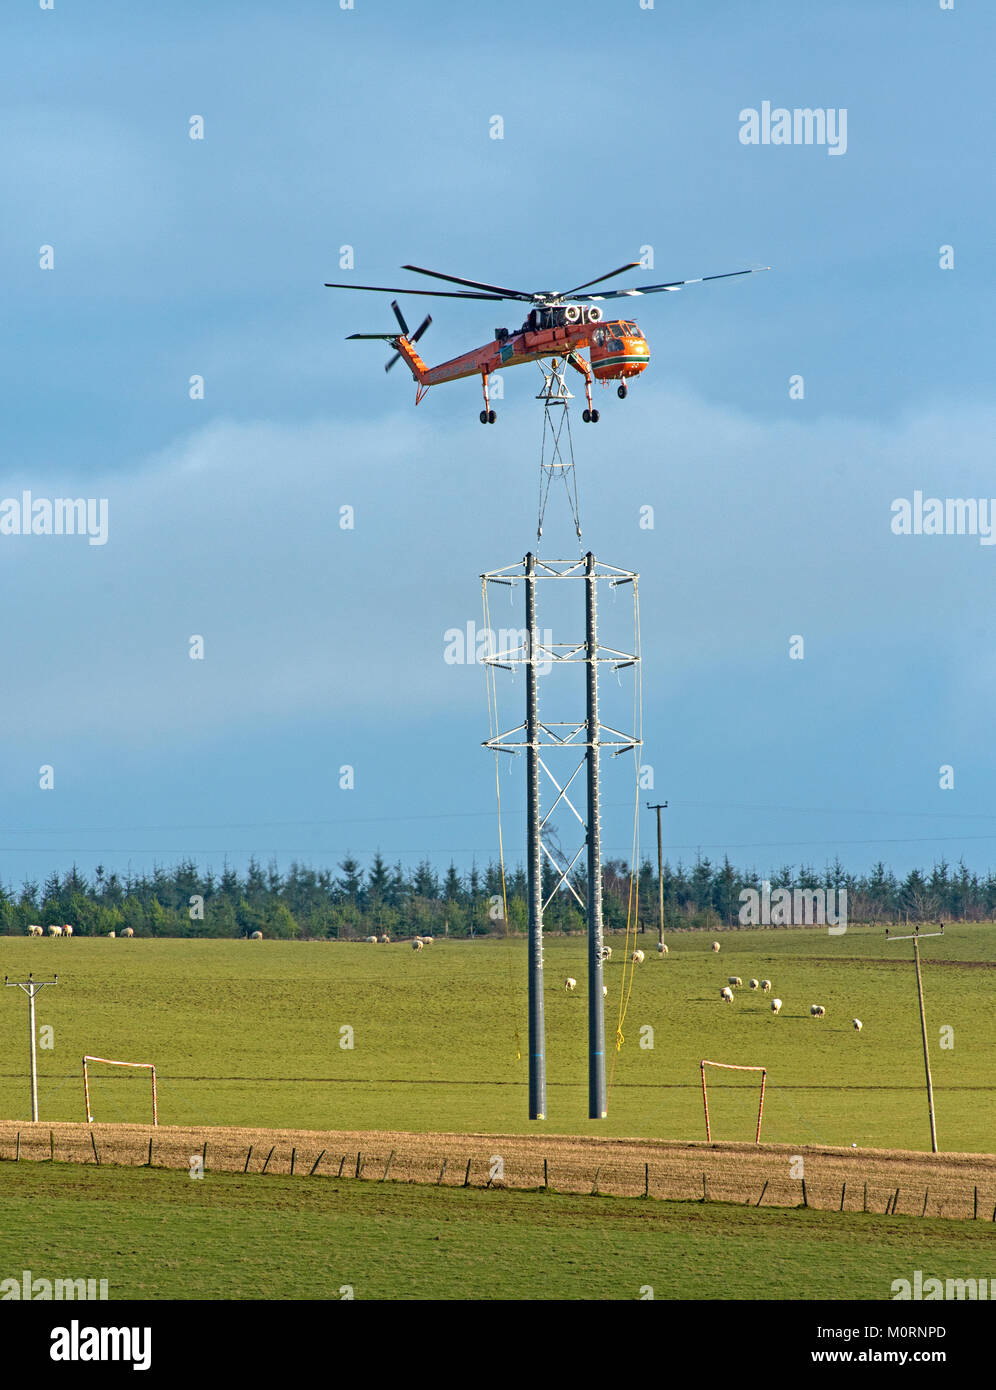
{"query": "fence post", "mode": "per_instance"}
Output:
(705, 1197)
(805, 1199)
(466, 1180)
(387, 1167)
(975, 1205)
(149, 1163)
(441, 1172)
(359, 1163)
(925, 1195)
(51, 1146)
(646, 1180)
(293, 1156)
(248, 1157)
(316, 1163)
(763, 1191)
(341, 1162)
(17, 1148)
(268, 1157)
(864, 1204)
(545, 1178)
(95, 1153)
(842, 1191)
(204, 1157)
(594, 1186)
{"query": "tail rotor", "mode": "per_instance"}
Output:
(412, 337)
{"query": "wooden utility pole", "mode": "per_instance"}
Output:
(660, 872)
(915, 938)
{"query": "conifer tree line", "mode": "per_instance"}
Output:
(355, 901)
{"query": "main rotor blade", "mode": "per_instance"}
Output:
(407, 289)
(499, 290)
(399, 316)
(630, 265)
(671, 285)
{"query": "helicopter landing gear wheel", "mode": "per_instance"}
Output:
(621, 391)
(594, 417)
(484, 417)
(586, 416)
(492, 417)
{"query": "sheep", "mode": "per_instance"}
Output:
(765, 986)
(605, 991)
(816, 1011)
(776, 1004)
(428, 940)
(726, 994)
(35, 931)
(736, 981)
(54, 930)
(67, 930)
(637, 957)
(715, 945)
(858, 1025)
(661, 948)
(416, 943)
(570, 984)
(605, 954)
(371, 940)
(256, 936)
(385, 940)
(128, 932)
(112, 935)
(753, 983)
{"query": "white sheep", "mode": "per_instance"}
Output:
(765, 986)
(372, 940)
(416, 943)
(385, 940)
(661, 948)
(605, 954)
(726, 994)
(256, 936)
(35, 931)
(428, 940)
(128, 932)
(858, 1025)
(715, 945)
(816, 1010)
(605, 991)
(753, 983)
(54, 930)
(67, 930)
(736, 981)
(637, 957)
(570, 984)
(776, 1004)
(112, 934)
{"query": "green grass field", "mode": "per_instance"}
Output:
(163, 1235)
(249, 1033)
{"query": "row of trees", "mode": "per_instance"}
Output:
(356, 902)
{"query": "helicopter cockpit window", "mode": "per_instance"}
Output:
(598, 337)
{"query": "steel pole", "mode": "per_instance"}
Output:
(660, 882)
(537, 1027)
(32, 1051)
(926, 1054)
(596, 1011)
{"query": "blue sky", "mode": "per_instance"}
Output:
(370, 128)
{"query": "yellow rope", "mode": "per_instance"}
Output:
(494, 730)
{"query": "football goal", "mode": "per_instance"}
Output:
(729, 1066)
(109, 1062)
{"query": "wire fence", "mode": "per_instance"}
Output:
(564, 1174)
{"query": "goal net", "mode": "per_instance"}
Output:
(110, 1062)
(730, 1066)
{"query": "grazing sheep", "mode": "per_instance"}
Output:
(753, 983)
(605, 991)
(256, 936)
(416, 943)
(637, 957)
(385, 940)
(726, 994)
(371, 939)
(428, 940)
(112, 934)
(736, 981)
(858, 1025)
(765, 986)
(661, 948)
(605, 954)
(67, 930)
(776, 1004)
(715, 945)
(35, 931)
(128, 932)
(816, 1010)
(54, 930)
(570, 984)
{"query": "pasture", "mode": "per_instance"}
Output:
(252, 1034)
(233, 1237)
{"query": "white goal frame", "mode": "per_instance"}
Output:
(110, 1062)
(730, 1066)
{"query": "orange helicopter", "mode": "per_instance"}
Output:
(560, 324)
